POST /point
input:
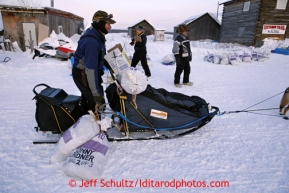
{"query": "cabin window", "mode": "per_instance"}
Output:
(246, 6)
(60, 29)
(281, 4)
(241, 32)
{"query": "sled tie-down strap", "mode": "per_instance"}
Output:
(142, 115)
(57, 118)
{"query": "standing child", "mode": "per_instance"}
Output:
(183, 56)
(140, 53)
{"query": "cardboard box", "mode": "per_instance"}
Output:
(117, 61)
(114, 47)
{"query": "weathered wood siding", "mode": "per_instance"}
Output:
(204, 27)
(13, 25)
(148, 29)
(14, 17)
(234, 18)
(69, 26)
(270, 15)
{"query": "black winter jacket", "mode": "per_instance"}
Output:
(141, 46)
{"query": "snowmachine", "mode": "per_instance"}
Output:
(46, 50)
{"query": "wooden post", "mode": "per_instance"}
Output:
(218, 10)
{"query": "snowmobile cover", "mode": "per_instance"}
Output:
(159, 109)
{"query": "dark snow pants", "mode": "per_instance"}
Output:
(183, 66)
(141, 56)
(87, 100)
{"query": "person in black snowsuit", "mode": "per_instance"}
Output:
(183, 55)
(140, 53)
(89, 61)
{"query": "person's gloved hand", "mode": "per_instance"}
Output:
(132, 41)
(98, 100)
(97, 115)
(97, 105)
(177, 57)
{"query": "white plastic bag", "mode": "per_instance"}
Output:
(79, 133)
(246, 57)
(169, 60)
(224, 59)
(233, 60)
(88, 160)
(133, 81)
(217, 59)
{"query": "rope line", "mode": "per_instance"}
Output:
(251, 111)
(263, 101)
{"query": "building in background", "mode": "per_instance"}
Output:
(250, 22)
(148, 28)
(159, 34)
(205, 26)
(31, 25)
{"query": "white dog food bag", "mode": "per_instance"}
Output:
(79, 133)
(246, 57)
(224, 59)
(87, 161)
(133, 81)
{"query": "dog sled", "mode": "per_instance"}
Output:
(154, 114)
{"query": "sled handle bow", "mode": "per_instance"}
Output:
(42, 84)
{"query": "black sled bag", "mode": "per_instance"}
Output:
(158, 108)
(56, 111)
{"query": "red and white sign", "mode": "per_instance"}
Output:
(273, 29)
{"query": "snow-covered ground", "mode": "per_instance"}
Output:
(239, 152)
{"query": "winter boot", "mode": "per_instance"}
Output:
(188, 83)
(179, 85)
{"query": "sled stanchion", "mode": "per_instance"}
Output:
(122, 98)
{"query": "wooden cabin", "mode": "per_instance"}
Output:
(250, 22)
(24, 24)
(148, 28)
(205, 26)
